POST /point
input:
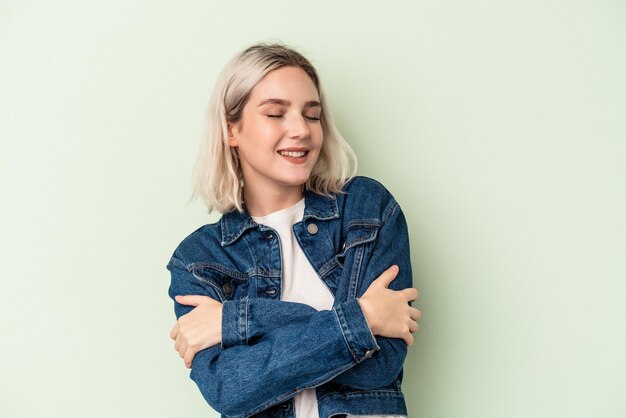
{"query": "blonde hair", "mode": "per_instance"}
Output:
(217, 175)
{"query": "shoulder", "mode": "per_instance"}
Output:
(201, 243)
(363, 183)
(364, 197)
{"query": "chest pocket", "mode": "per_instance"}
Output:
(358, 242)
(359, 233)
(228, 284)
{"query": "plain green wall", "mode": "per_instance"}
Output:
(499, 126)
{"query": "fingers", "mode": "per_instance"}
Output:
(408, 338)
(415, 314)
(197, 329)
(188, 357)
(412, 327)
(186, 351)
(177, 344)
(387, 277)
(174, 331)
(182, 348)
(192, 300)
(411, 293)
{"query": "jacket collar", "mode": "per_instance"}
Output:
(235, 223)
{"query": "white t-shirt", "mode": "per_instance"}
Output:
(300, 283)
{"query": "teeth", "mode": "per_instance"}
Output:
(292, 153)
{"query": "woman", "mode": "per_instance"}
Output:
(297, 301)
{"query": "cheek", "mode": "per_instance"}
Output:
(317, 133)
(259, 135)
(266, 131)
(320, 138)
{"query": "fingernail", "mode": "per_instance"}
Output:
(394, 268)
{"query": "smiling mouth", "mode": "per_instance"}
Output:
(295, 157)
(294, 154)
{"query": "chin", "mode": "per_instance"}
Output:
(297, 181)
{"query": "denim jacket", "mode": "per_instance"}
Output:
(271, 349)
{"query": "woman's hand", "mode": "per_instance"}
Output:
(387, 311)
(199, 329)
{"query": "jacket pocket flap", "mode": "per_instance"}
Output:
(228, 284)
(361, 232)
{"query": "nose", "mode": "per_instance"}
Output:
(298, 127)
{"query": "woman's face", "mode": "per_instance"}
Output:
(279, 135)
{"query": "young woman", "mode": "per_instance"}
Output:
(297, 302)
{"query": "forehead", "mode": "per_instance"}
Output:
(290, 83)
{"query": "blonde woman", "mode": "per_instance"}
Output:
(297, 302)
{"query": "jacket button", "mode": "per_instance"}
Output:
(227, 287)
(369, 353)
(312, 228)
(271, 291)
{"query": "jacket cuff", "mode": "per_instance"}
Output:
(356, 332)
(234, 313)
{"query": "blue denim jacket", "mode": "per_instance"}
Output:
(271, 349)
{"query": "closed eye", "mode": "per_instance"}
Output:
(311, 118)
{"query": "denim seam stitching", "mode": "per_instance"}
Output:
(219, 268)
(373, 392)
(358, 258)
(369, 328)
(371, 237)
(176, 262)
(331, 264)
(364, 222)
(389, 210)
(343, 334)
(246, 323)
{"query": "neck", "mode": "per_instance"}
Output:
(261, 201)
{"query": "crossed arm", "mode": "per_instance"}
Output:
(327, 345)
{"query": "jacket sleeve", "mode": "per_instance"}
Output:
(308, 349)
(392, 247)
(386, 361)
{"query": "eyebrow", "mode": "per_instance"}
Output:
(282, 102)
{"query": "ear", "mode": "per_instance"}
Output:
(232, 134)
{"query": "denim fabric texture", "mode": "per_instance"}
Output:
(271, 349)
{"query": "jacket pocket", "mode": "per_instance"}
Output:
(359, 232)
(229, 284)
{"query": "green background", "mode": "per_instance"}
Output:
(500, 127)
